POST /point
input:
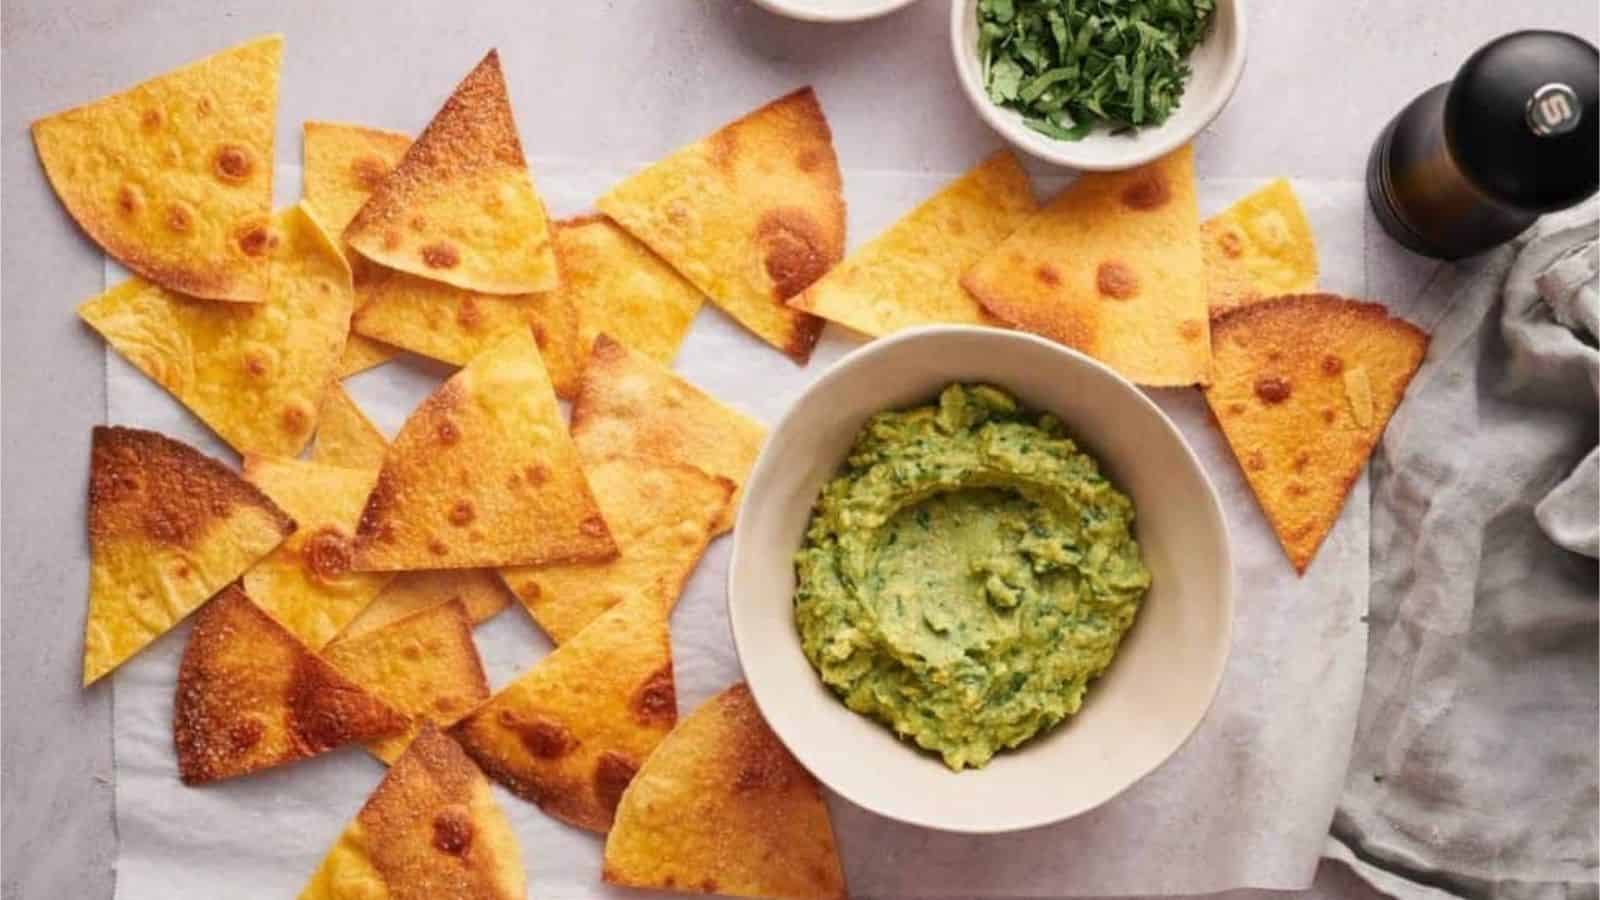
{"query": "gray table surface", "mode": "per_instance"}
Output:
(619, 81)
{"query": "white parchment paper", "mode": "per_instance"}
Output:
(1246, 803)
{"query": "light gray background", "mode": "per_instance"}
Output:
(612, 81)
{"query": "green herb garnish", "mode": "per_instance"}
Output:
(1069, 65)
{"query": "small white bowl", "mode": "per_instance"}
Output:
(1217, 65)
(1134, 717)
(832, 10)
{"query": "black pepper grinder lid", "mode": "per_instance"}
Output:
(1523, 120)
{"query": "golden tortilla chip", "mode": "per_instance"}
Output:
(460, 207)
(251, 697)
(362, 353)
(431, 831)
(630, 406)
(620, 287)
(345, 436)
(255, 373)
(344, 164)
(1111, 267)
(722, 808)
(483, 474)
(751, 214)
(661, 515)
(570, 733)
(911, 274)
(480, 591)
(306, 583)
(174, 176)
(1303, 387)
(424, 665)
(1259, 247)
(168, 527)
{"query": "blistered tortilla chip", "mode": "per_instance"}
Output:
(911, 274)
(630, 406)
(722, 808)
(1282, 391)
(751, 214)
(1259, 247)
(174, 176)
(570, 733)
(424, 665)
(661, 515)
(306, 583)
(431, 830)
(344, 164)
(345, 436)
(480, 591)
(168, 527)
(460, 206)
(251, 696)
(483, 474)
(1111, 267)
(362, 353)
(621, 288)
(255, 373)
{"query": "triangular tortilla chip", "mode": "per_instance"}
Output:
(255, 373)
(722, 808)
(630, 406)
(362, 353)
(168, 527)
(480, 592)
(345, 436)
(1260, 247)
(174, 177)
(623, 289)
(460, 207)
(483, 474)
(661, 515)
(911, 274)
(431, 831)
(1303, 387)
(1111, 267)
(306, 584)
(251, 697)
(751, 214)
(570, 732)
(424, 665)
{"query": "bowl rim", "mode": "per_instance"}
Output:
(1140, 151)
(826, 381)
(804, 11)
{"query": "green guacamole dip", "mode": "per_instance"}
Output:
(967, 574)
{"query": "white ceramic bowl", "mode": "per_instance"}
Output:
(832, 10)
(1134, 717)
(1217, 64)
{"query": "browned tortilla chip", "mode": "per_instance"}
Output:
(362, 353)
(483, 474)
(168, 527)
(1111, 267)
(630, 406)
(571, 732)
(751, 215)
(431, 831)
(722, 808)
(1259, 247)
(621, 288)
(345, 436)
(173, 177)
(251, 697)
(460, 206)
(1303, 387)
(480, 591)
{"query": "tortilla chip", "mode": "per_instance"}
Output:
(751, 215)
(345, 436)
(480, 591)
(174, 176)
(1303, 387)
(1259, 247)
(620, 287)
(431, 830)
(344, 164)
(424, 665)
(570, 732)
(362, 353)
(255, 373)
(722, 808)
(460, 206)
(306, 583)
(251, 697)
(661, 515)
(911, 274)
(630, 406)
(483, 474)
(168, 527)
(1111, 267)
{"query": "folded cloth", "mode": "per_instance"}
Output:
(1474, 771)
